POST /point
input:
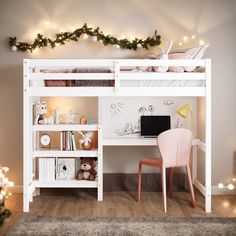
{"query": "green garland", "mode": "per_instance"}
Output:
(5, 213)
(95, 34)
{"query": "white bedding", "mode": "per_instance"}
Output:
(163, 83)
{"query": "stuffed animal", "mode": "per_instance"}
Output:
(86, 142)
(42, 116)
(40, 109)
(163, 56)
(87, 169)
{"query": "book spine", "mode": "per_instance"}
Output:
(61, 140)
(73, 141)
(70, 139)
(64, 140)
(67, 141)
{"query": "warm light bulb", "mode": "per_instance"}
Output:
(139, 45)
(85, 36)
(230, 186)
(10, 184)
(5, 169)
(180, 43)
(185, 38)
(220, 185)
(5, 181)
(201, 42)
(47, 23)
(193, 36)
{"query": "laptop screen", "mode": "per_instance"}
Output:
(154, 125)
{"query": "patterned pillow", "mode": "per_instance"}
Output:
(191, 53)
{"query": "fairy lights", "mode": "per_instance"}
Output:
(4, 193)
(230, 184)
(85, 33)
(191, 39)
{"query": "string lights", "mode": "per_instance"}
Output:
(85, 33)
(187, 39)
(4, 193)
(230, 184)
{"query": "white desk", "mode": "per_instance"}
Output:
(136, 142)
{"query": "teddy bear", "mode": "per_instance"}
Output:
(87, 169)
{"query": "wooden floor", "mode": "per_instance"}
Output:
(71, 202)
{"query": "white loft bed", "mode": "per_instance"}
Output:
(126, 82)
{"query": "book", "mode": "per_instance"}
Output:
(73, 141)
(61, 140)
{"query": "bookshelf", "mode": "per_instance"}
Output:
(38, 153)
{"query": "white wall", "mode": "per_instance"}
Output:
(212, 20)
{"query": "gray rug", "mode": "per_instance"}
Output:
(40, 225)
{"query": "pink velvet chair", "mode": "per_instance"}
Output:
(175, 148)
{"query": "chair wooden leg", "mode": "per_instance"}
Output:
(171, 182)
(139, 180)
(164, 187)
(191, 186)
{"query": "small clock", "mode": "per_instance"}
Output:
(45, 140)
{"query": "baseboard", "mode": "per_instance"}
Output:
(151, 183)
(224, 191)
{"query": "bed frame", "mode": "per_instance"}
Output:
(119, 74)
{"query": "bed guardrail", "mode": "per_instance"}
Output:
(114, 76)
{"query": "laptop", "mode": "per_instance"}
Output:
(152, 126)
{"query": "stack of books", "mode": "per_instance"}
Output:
(67, 141)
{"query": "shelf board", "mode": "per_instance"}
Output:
(59, 153)
(66, 127)
(72, 183)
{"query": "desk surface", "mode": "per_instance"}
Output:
(135, 142)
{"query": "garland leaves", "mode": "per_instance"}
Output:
(85, 31)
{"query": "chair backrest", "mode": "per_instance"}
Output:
(175, 147)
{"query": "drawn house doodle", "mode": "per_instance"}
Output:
(131, 129)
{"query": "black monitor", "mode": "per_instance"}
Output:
(152, 126)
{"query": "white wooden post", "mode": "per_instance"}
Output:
(100, 164)
(208, 137)
(26, 121)
(117, 76)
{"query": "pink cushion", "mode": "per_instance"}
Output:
(179, 69)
